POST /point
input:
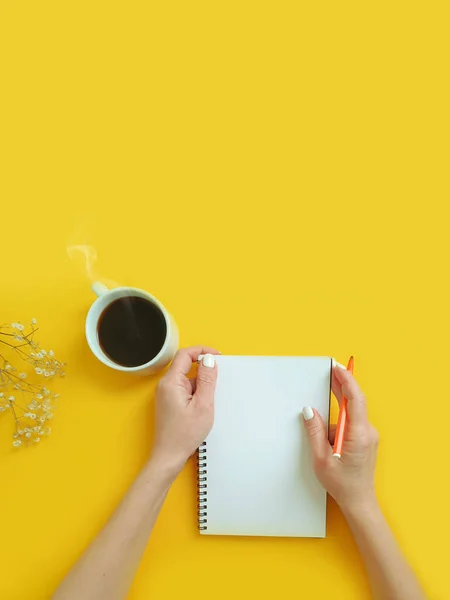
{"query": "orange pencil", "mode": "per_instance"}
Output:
(342, 419)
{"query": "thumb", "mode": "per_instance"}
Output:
(206, 379)
(317, 434)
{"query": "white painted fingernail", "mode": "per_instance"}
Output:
(336, 364)
(308, 413)
(208, 361)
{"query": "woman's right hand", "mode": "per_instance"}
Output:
(349, 479)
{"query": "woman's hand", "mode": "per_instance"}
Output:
(349, 479)
(184, 407)
(184, 417)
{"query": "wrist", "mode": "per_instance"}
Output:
(360, 509)
(168, 467)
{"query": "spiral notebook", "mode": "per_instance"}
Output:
(255, 474)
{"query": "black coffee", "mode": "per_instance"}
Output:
(131, 331)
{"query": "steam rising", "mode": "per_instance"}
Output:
(85, 257)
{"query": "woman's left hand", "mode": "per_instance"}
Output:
(184, 407)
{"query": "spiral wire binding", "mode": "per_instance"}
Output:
(202, 478)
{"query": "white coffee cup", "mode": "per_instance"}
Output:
(105, 297)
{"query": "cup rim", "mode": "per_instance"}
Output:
(111, 295)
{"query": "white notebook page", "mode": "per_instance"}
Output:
(260, 479)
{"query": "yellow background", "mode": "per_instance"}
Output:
(277, 174)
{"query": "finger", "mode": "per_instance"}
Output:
(356, 402)
(184, 358)
(336, 386)
(206, 380)
(331, 434)
(317, 435)
(193, 382)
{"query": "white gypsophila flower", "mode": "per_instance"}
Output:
(37, 440)
(17, 443)
(33, 321)
(33, 414)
